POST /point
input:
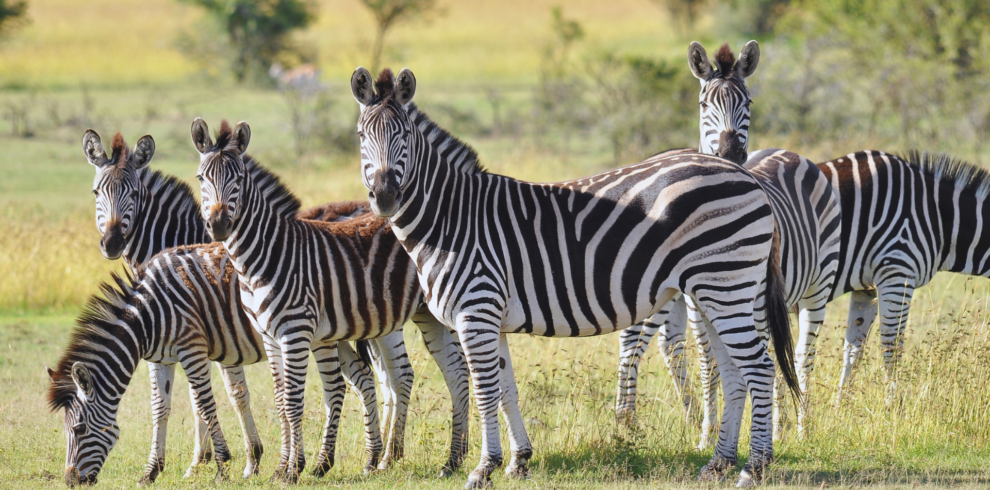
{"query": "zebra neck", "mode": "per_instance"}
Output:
(966, 227)
(259, 225)
(167, 215)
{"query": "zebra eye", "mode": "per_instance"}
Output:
(361, 134)
(199, 178)
(704, 105)
(96, 192)
(748, 103)
(79, 430)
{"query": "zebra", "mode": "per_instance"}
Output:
(806, 211)
(587, 257)
(307, 283)
(180, 308)
(161, 212)
(903, 220)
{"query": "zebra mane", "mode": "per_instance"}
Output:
(946, 167)
(280, 199)
(724, 61)
(118, 151)
(100, 321)
(462, 157)
(169, 189)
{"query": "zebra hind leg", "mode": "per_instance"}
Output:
(393, 366)
(522, 449)
(357, 372)
(725, 456)
(203, 450)
(633, 342)
(709, 374)
(162, 377)
(197, 370)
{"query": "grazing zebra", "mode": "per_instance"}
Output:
(160, 212)
(306, 283)
(806, 211)
(587, 257)
(903, 220)
(181, 308)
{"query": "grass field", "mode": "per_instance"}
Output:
(110, 65)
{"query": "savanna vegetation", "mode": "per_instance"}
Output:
(544, 90)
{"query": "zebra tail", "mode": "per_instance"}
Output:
(777, 320)
(363, 348)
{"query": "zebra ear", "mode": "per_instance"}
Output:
(748, 59)
(82, 377)
(405, 87)
(51, 372)
(361, 86)
(93, 148)
(144, 150)
(242, 135)
(201, 136)
(698, 61)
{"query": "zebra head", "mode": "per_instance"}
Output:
(221, 174)
(724, 99)
(91, 428)
(117, 187)
(386, 133)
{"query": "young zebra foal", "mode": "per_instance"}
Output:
(305, 283)
(497, 255)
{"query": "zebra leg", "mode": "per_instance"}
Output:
(710, 378)
(895, 304)
(447, 353)
(274, 354)
(522, 450)
(811, 318)
(202, 452)
(295, 361)
(197, 368)
(633, 342)
(162, 376)
(395, 367)
(479, 335)
(862, 312)
(237, 390)
(672, 341)
(357, 372)
(734, 392)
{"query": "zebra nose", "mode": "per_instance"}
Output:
(112, 243)
(731, 147)
(385, 193)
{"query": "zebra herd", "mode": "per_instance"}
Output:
(721, 239)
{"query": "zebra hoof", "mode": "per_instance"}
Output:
(716, 470)
(478, 482)
(322, 467)
(751, 475)
(626, 417)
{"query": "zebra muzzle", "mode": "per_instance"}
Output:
(385, 194)
(112, 243)
(220, 225)
(731, 147)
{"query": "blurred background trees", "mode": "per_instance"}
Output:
(13, 13)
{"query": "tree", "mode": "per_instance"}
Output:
(388, 13)
(12, 14)
(258, 31)
(683, 13)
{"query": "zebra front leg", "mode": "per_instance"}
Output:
(358, 373)
(479, 335)
(522, 450)
(237, 390)
(811, 318)
(895, 303)
(709, 375)
(449, 356)
(633, 342)
(162, 377)
(862, 312)
(197, 368)
(396, 368)
(274, 354)
(295, 361)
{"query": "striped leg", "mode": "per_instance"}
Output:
(162, 377)
(295, 361)
(862, 312)
(633, 342)
(479, 334)
(449, 356)
(895, 291)
(237, 390)
(202, 452)
(672, 341)
(197, 368)
(392, 364)
(709, 374)
(522, 450)
(274, 353)
(811, 318)
(329, 367)
(362, 381)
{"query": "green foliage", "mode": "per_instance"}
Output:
(13, 13)
(684, 13)
(388, 13)
(257, 33)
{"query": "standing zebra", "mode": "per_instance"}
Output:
(160, 212)
(903, 220)
(306, 283)
(806, 212)
(587, 257)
